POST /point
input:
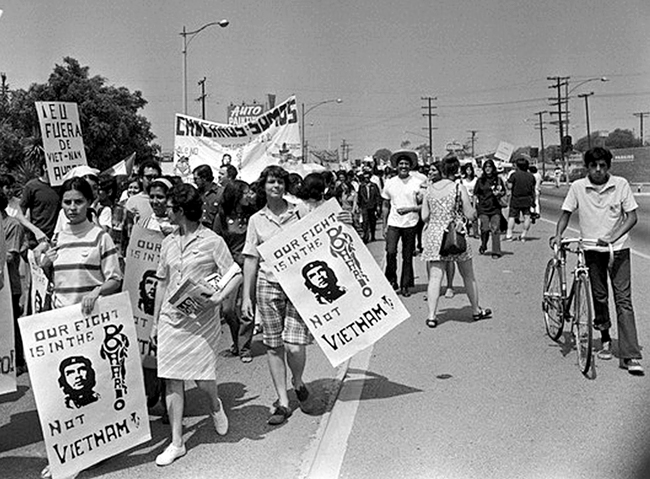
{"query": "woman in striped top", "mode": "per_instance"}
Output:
(83, 259)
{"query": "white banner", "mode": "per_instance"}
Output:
(38, 291)
(7, 347)
(142, 258)
(271, 139)
(62, 139)
(87, 380)
(335, 283)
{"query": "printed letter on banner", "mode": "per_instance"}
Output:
(334, 282)
(87, 379)
(62, 140)
(7, 347)
(142, 258)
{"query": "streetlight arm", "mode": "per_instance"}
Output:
(602, 79)
(191, 35)
(337, 100)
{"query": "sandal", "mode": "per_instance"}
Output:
(482, 314)
(431, 322)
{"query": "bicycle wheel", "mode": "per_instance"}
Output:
(552, 304)
(583, 320)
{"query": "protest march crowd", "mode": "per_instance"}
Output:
(80, 234)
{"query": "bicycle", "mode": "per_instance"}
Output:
(576, 307)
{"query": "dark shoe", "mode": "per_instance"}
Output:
(432, 323)
(395, 286)
(405, 292)
(279, 416)
(481, 249)
(633, 367)
(302, 392)
(483, 314)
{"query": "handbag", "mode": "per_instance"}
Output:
(504, 199)
(453, 238)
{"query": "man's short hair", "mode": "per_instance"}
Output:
(522, 164)
(204, 172)
(596, 154)
(149, 164)
(450, 167)
(231, 171)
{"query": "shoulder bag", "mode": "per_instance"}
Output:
(454, 241)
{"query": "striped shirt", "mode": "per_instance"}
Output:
(86, 257)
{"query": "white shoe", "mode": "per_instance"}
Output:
(220, 420)
(449, 293)
(170, 454)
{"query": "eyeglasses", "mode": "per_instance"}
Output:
(151, 177)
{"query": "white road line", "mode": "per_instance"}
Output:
(633, 251)
(335, 430)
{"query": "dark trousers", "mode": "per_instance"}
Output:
(491, 224)
(369, 224)
(15, 303)
(241, 329)
(407, 235)
(621, 280)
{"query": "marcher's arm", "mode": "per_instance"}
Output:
(110, 286)
(229, 289)
(468, 209)
(424, 212)
(562, 224)
(629, 222)
(251, 264)
(384, 215)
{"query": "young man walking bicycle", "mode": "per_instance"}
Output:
(607, 212)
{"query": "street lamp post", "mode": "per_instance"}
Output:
(303, 113)
(222, 23)
(568, 92)
(586, 97)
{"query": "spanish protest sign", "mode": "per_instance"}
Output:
(38, 297)
(334, 282)
(270, 139)
(7, 347)
(87, 380)
(62, 140)
(142, 257)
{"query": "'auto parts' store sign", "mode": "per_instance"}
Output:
(242, 114)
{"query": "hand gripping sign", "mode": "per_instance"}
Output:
(334, 282)
(87, 379)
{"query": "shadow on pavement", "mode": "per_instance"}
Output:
(19, 432)
(15, 396)
(18, 467)
(376, 386)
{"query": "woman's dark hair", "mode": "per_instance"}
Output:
(522, 164)
(204, 172)
(491, 163)
(186, 198)
(466, 168)
(78, 184)
(596, 154)
(149, 164)
(231, 203)
(3, 201)
(490, 179)
(272, 171)
(450, 167)
(436, 165)
(295, 182)
(108, 183)
(313, 187)
(7, 180)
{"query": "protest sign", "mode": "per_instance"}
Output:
(272, 138)
(334, 282)
(38, 298)
(141, 262)
(7, 347)
(504, 151)
(86, 376)
(62, 140)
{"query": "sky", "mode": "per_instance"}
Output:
(486, 62)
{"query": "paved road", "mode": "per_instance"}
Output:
(492, 399)
(495, 398)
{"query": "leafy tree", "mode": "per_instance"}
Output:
(423, 151)
(112, 128)
(622, 139)
(382, 155)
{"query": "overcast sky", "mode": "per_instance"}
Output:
(487, 61)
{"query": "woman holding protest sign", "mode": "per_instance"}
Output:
(284, 329)
(82, 262)
(188, 341)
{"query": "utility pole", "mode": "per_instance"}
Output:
(345, 150)
(541, 140)
(473, 139)
(586, 97)
(559, 83)
(201, 98)
(429, 107)
(641, 115)
(3, 93)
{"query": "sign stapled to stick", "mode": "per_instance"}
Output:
(62, 139)
(87, 380)
(270, 139)
(334, 282)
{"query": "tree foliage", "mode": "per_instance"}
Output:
(382, 155)
(111, 126)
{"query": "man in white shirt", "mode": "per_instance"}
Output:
(607, 212)
(402, 200)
